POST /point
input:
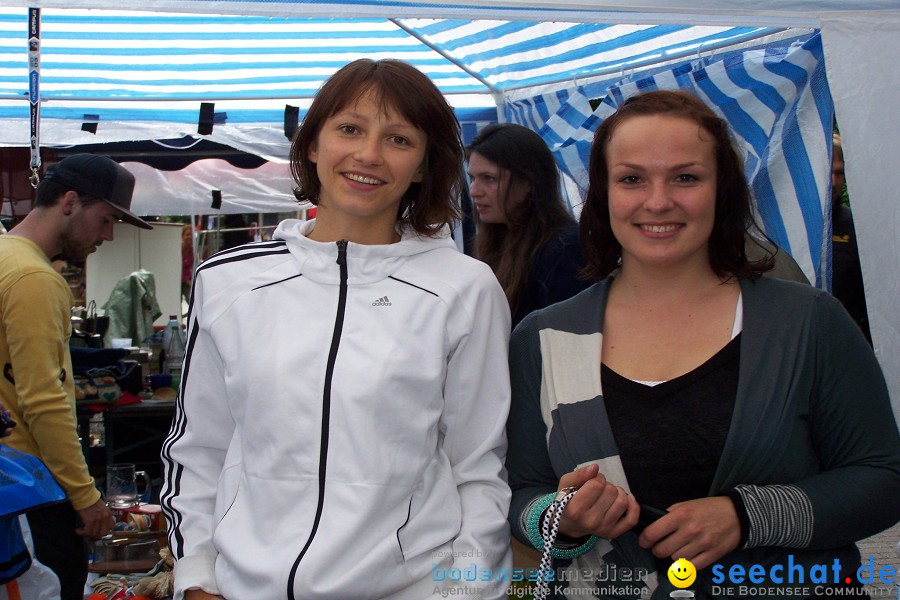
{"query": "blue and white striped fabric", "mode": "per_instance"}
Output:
(777, 103)
(146, 71)
(150, 66)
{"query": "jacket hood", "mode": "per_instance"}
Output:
(365, 263)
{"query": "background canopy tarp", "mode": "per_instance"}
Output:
(778, 70)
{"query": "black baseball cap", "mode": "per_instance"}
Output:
(101, 177)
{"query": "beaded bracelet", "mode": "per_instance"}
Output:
(533, 520)
(533, 530)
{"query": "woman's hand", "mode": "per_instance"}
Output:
(598, 508)
(199, 595)
(701, 530)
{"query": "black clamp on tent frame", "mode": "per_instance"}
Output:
(90, 123)
(291, 120)
(216, 200)
(209, 117)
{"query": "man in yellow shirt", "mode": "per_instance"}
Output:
(79, 200)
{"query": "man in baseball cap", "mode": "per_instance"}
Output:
(100, 177)
(78, 202)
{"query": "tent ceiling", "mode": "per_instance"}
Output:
(145, 66)
(780, 13)
(860, 40)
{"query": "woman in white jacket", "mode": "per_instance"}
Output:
(339, 430)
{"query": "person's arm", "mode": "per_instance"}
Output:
(531, 474)
(599, 509)
(855, 436)
(853, 496)
(476, 404)
(36, 321)
(193, 455)
(96, 520)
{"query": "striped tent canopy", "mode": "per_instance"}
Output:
(156, 67)
(107, 75)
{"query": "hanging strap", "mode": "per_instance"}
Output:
(34, 90)
(12, 590)
(549, 531)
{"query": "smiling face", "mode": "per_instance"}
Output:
(366, 158)
(87, 227)
(682, 573)
(662, 190)
(493, 190)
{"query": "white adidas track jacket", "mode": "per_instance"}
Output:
(340, 427)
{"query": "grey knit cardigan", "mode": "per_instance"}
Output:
(813, 447)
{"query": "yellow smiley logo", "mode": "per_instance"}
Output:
(682, 573)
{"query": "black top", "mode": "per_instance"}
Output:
(553, 276)
(670, 436)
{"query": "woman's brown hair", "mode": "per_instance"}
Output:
(733, 211)
(426, 206)
(510, 248)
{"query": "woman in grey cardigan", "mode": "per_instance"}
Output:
(700, 410)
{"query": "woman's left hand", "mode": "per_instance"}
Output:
(701, 530)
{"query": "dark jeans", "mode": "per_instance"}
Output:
(58, 546)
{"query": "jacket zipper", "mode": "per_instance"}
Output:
(326, 407)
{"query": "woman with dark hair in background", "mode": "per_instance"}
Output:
(697, 409)
(525, 232)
